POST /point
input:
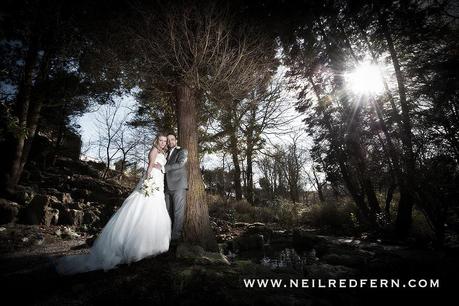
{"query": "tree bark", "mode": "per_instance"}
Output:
(197, 228)
(22, 106)
(237, 167)
(319, 186)
(408, 187)
(249, 174)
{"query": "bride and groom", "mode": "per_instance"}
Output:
(145, 223)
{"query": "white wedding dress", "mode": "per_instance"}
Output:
(141, 227)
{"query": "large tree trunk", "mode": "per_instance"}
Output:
(197, 228)
(408, 187)
(15, 162)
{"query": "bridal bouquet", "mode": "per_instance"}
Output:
(149, 186)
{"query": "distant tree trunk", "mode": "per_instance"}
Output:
(365, 215)
(249, 175)
(357, 153)
(389, 196)
(34, 117)
(196, 227)
(319, 186)
(235, 156)
(249, 156)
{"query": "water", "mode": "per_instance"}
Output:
(278, 257)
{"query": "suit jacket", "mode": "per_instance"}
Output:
(176, 174)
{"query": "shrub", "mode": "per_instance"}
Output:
(333, 217)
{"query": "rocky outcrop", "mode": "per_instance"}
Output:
(39, 210)
(72, 217)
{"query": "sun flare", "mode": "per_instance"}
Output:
(365, 79)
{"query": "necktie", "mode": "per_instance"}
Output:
(170, 153)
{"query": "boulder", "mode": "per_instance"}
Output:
(36, 211)
(8, 211)
(51, 216)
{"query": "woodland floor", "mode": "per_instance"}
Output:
(28, 278)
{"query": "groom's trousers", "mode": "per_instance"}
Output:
(175, 203)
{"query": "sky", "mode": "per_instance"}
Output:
(89, 131)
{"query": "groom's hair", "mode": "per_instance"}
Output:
(171, 133)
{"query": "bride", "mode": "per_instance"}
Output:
(141, 227)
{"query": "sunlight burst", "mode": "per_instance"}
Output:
(365, 79)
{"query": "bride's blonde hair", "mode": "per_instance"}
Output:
(156, 141)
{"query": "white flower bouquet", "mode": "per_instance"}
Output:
(149, 186)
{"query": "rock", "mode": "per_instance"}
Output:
(36, 211)
(306, 240)
(279, 235)
(212, 258)
(250, 242)
(77, 206)
(51, 216)
(240, 224)
(39, 239)
(71, 217)
(24, 194)
(81, 193)
(326, 271)
(99, 190)
(257, 224)
(69, 233)
(199, 255)
(66, 198)
(259, 229)
(90, 217)
(61, 197)
(8, 211)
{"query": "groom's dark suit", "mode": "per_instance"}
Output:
(175, 186)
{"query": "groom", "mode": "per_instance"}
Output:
(176, 185)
